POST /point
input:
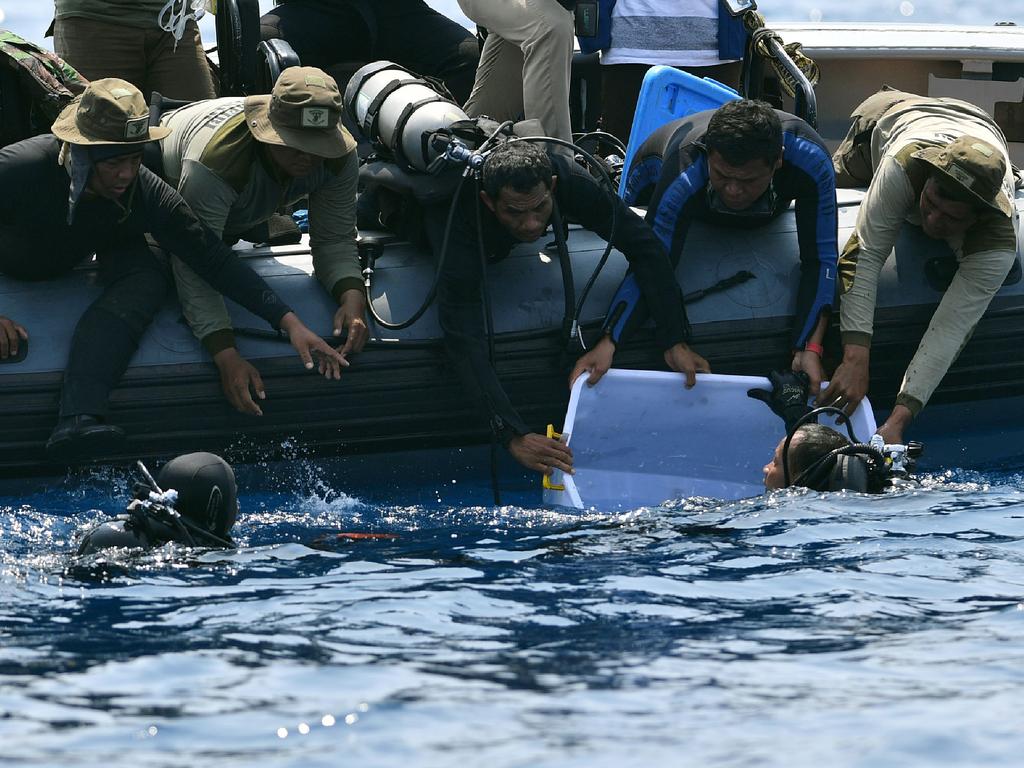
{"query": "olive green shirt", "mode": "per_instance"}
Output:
(226, 177)
(984, 255)
(131, 13)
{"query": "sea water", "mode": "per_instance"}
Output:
(794, 629)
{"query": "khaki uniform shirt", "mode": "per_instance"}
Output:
(985, 254)
(226, 177)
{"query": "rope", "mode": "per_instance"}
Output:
(760, 34)
(175, 15)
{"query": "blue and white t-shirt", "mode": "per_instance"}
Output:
(671, 32)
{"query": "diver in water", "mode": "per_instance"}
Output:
(193, 502)
(821, 458)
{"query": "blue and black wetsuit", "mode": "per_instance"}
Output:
(671, 172)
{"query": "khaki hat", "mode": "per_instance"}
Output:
(110, 111)
(973, 165)
(303, 112)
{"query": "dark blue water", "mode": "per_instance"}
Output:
(795, 629)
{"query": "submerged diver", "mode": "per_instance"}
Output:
(193, 502)
(814, 456)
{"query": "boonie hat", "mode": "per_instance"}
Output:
(303, 112)
(110, 111)
(974, 165)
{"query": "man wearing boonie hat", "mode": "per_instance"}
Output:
(236, 161)
(81, 190)
(943, 165)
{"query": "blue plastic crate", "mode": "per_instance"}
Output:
(668, 94)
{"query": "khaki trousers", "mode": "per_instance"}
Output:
(146, 58)
(524, 65)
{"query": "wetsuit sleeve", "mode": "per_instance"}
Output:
(210, 198)
(817, 232)
(669, 218)
(332, 230)
(650, 268)
(175, 227)
(978, 277)
(888, 201)
(461, 312)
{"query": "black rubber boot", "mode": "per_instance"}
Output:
(81, 438)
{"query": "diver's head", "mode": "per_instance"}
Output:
(518, 187)
(207, 494)
(744, 146)
(810, 442)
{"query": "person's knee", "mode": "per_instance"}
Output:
(558, 25)
(136, 298)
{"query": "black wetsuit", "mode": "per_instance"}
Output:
(122, 533)
(671, 168)
(407, 32)
(581, 199)
(37, 243)
(128, 532)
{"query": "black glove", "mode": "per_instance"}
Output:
(788, 397)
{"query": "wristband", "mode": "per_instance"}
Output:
(817, 349)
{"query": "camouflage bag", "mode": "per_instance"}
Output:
(35, 85)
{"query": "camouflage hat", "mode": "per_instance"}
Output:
(973, 165)
(303, 112)
(111, 111)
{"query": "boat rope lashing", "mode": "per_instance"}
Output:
(759, 34)
(175, 15)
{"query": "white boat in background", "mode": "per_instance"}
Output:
(982, 65)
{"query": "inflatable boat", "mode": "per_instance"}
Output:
(401, 393)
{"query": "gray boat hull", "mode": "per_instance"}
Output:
(401, 393)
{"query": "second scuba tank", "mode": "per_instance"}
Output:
(399, 112)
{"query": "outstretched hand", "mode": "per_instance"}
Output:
(849, 383)
(308, 344)
(10, 335)
(787, 397)
(351, 315)
(596, 362)
(239, 380)
(541, 454)
(682, 359)
(810, 363)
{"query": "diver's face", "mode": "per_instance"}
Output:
(111, 178)
(293, 162)
(941, 218)
(740, 186)
(524, 215)
(774, 476)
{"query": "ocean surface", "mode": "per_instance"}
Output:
(796, 629)
(793, 629)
